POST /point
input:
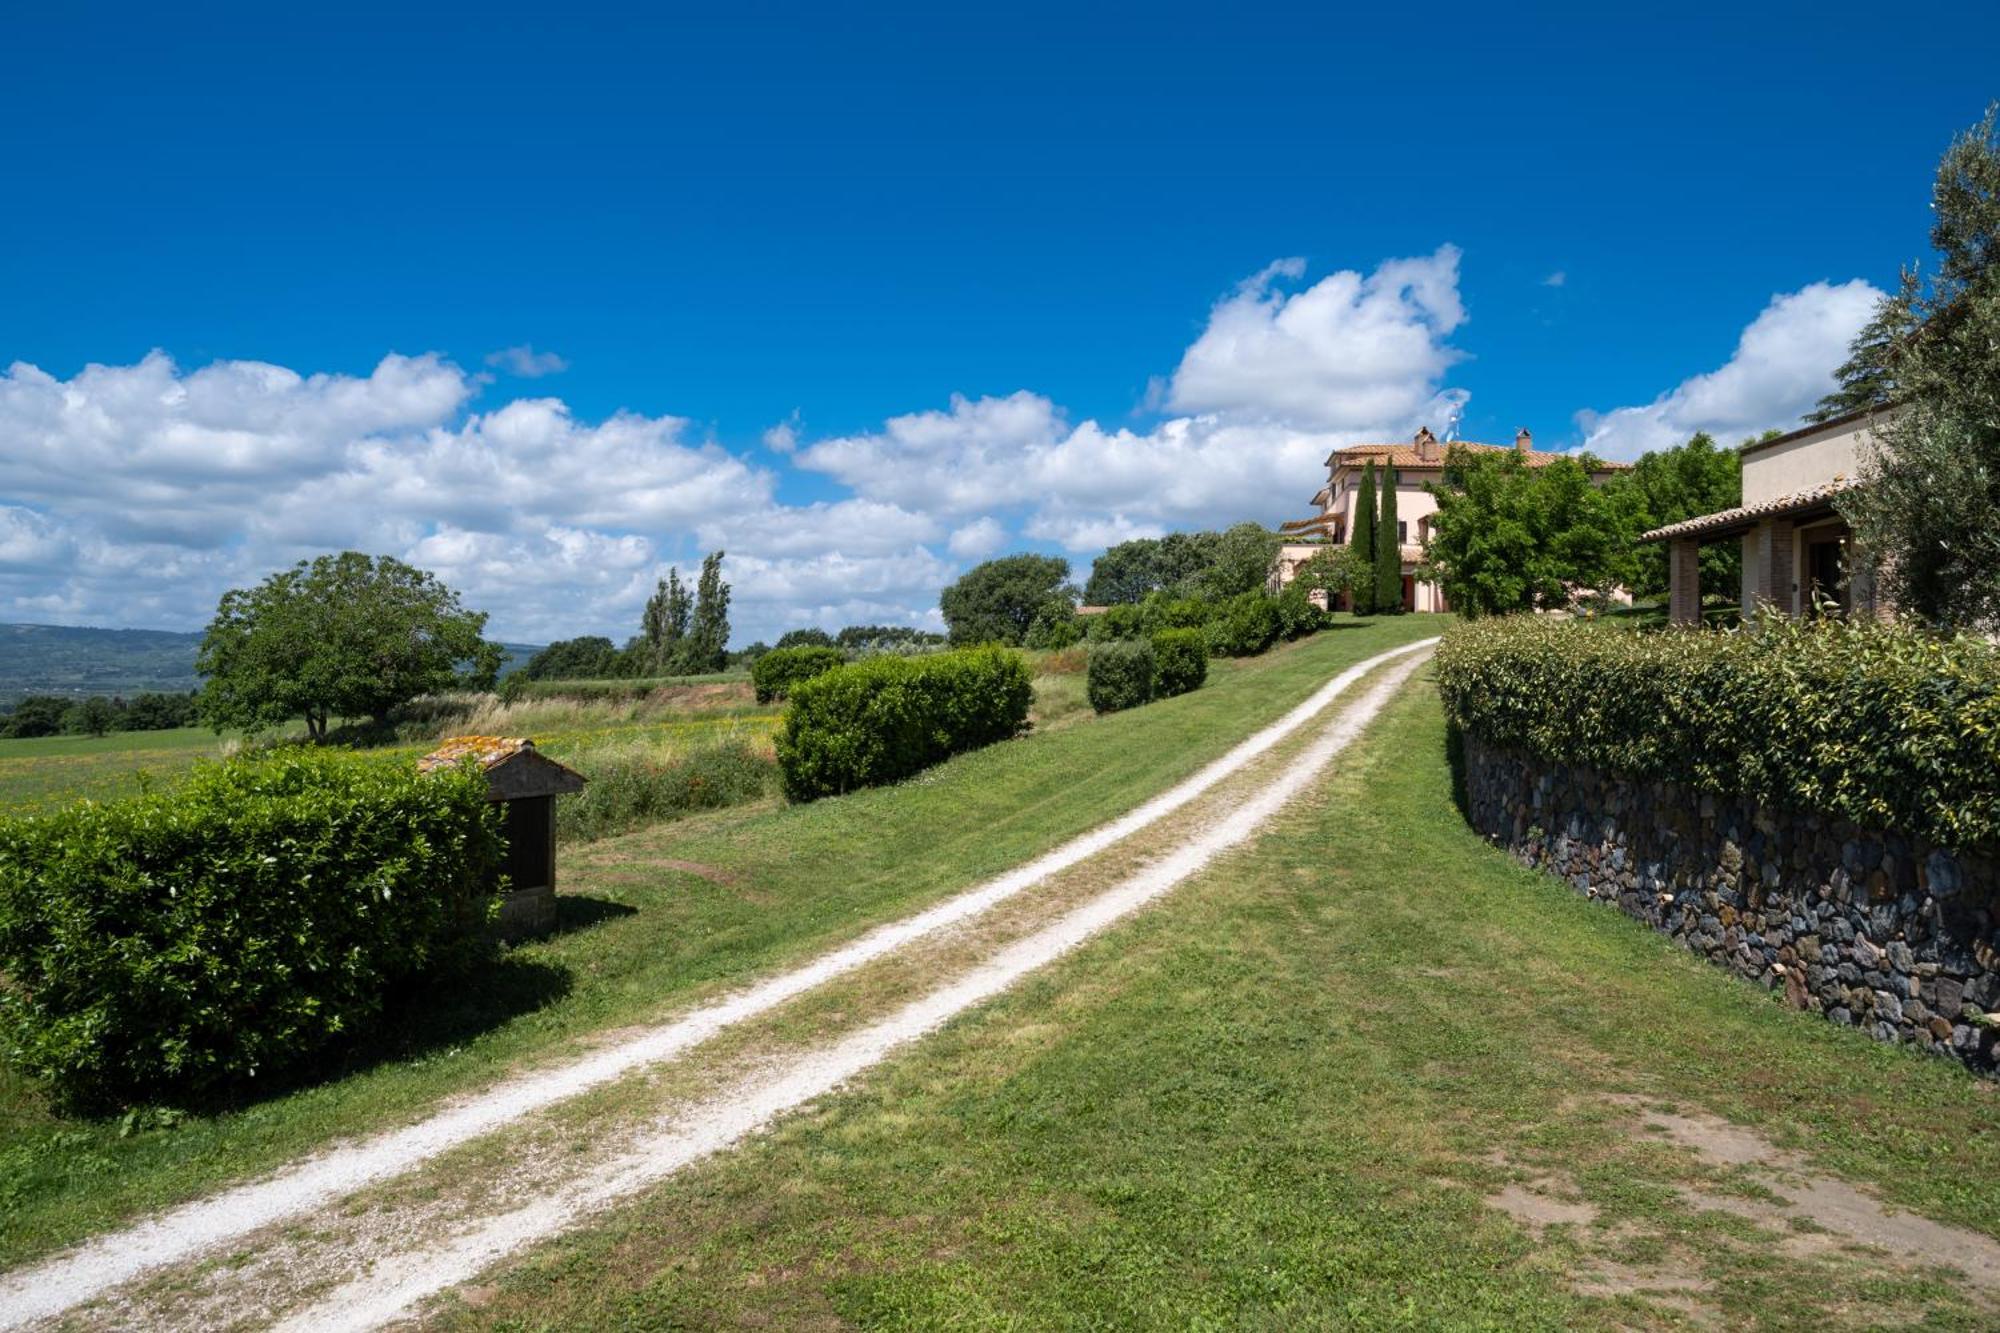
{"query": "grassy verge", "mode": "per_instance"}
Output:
(656, 919)
(1282, 1098)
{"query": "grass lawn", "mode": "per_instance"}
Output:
(662, 917)
(1282, 1099)
(48, 771)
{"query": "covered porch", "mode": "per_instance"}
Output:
(1797, 553)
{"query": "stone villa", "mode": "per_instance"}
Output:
(1417, 464)
(1796, 546)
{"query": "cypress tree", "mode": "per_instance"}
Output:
(1388, 551)
(1362, 541)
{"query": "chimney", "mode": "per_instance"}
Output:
(1427, 446)
(1523, 441)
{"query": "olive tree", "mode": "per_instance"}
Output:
(1929, 507)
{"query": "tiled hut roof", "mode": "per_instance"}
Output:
(1812, 497)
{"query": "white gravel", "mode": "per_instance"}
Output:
(394, 1284)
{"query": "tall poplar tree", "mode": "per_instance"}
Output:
(708, 636)
(664, 628)
(1362, 540)
(1388, 550)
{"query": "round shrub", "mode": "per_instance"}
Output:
(1247, 625)
(235, 926)
(884, 718)
(1120, 621)
(1121, 675)
(776, 672)
(1298, 615)
(1181, 661)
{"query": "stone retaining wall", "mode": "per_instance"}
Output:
(1900, 940)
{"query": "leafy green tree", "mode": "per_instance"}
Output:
(1508, 537)
(1240, 563)
(1130, 570)
(1331, 570)
(345, 635)
(996, 602)
(92, 716)
(809, 637)
(1669, 485)
(1928, 512)
(1362, 540)
(707, 645)
(1388, 549)
(36, 715)
(154, 711)
(590, 657)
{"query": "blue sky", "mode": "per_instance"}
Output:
(718, 220)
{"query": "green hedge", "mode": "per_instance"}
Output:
(1884, 725)
(1181, 661)
(882, 719)
(1121, 674)
(1244, 626)
(776, 672)
(174, 943)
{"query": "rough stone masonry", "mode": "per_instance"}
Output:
(1898, 939)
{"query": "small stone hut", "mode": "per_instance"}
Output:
(527, 782)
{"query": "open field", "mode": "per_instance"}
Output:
(1365, 1073)
(49, 771)
(667, 916)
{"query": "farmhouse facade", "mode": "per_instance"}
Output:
(1797, 549)
(1416, 466)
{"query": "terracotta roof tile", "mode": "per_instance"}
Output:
(1404, 456)
(1810, 498)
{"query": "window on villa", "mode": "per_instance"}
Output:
(1402, 532)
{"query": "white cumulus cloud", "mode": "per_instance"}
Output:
(135, 495)
(1783, 364)
(1351, 351)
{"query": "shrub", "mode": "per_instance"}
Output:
(1123, 621)
(177, 943)
(1883, 725)
(776, 672)
(634, 783)
(1181, 661)
(1121, 674)
(1297, 614)
(885, 718)
(1247, 625)
(1160, 611)
(1056, 626)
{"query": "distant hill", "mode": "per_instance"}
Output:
(79, 660)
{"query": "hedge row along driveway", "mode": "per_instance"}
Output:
(1884, 725)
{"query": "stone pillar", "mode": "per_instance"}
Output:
(1684, 581)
